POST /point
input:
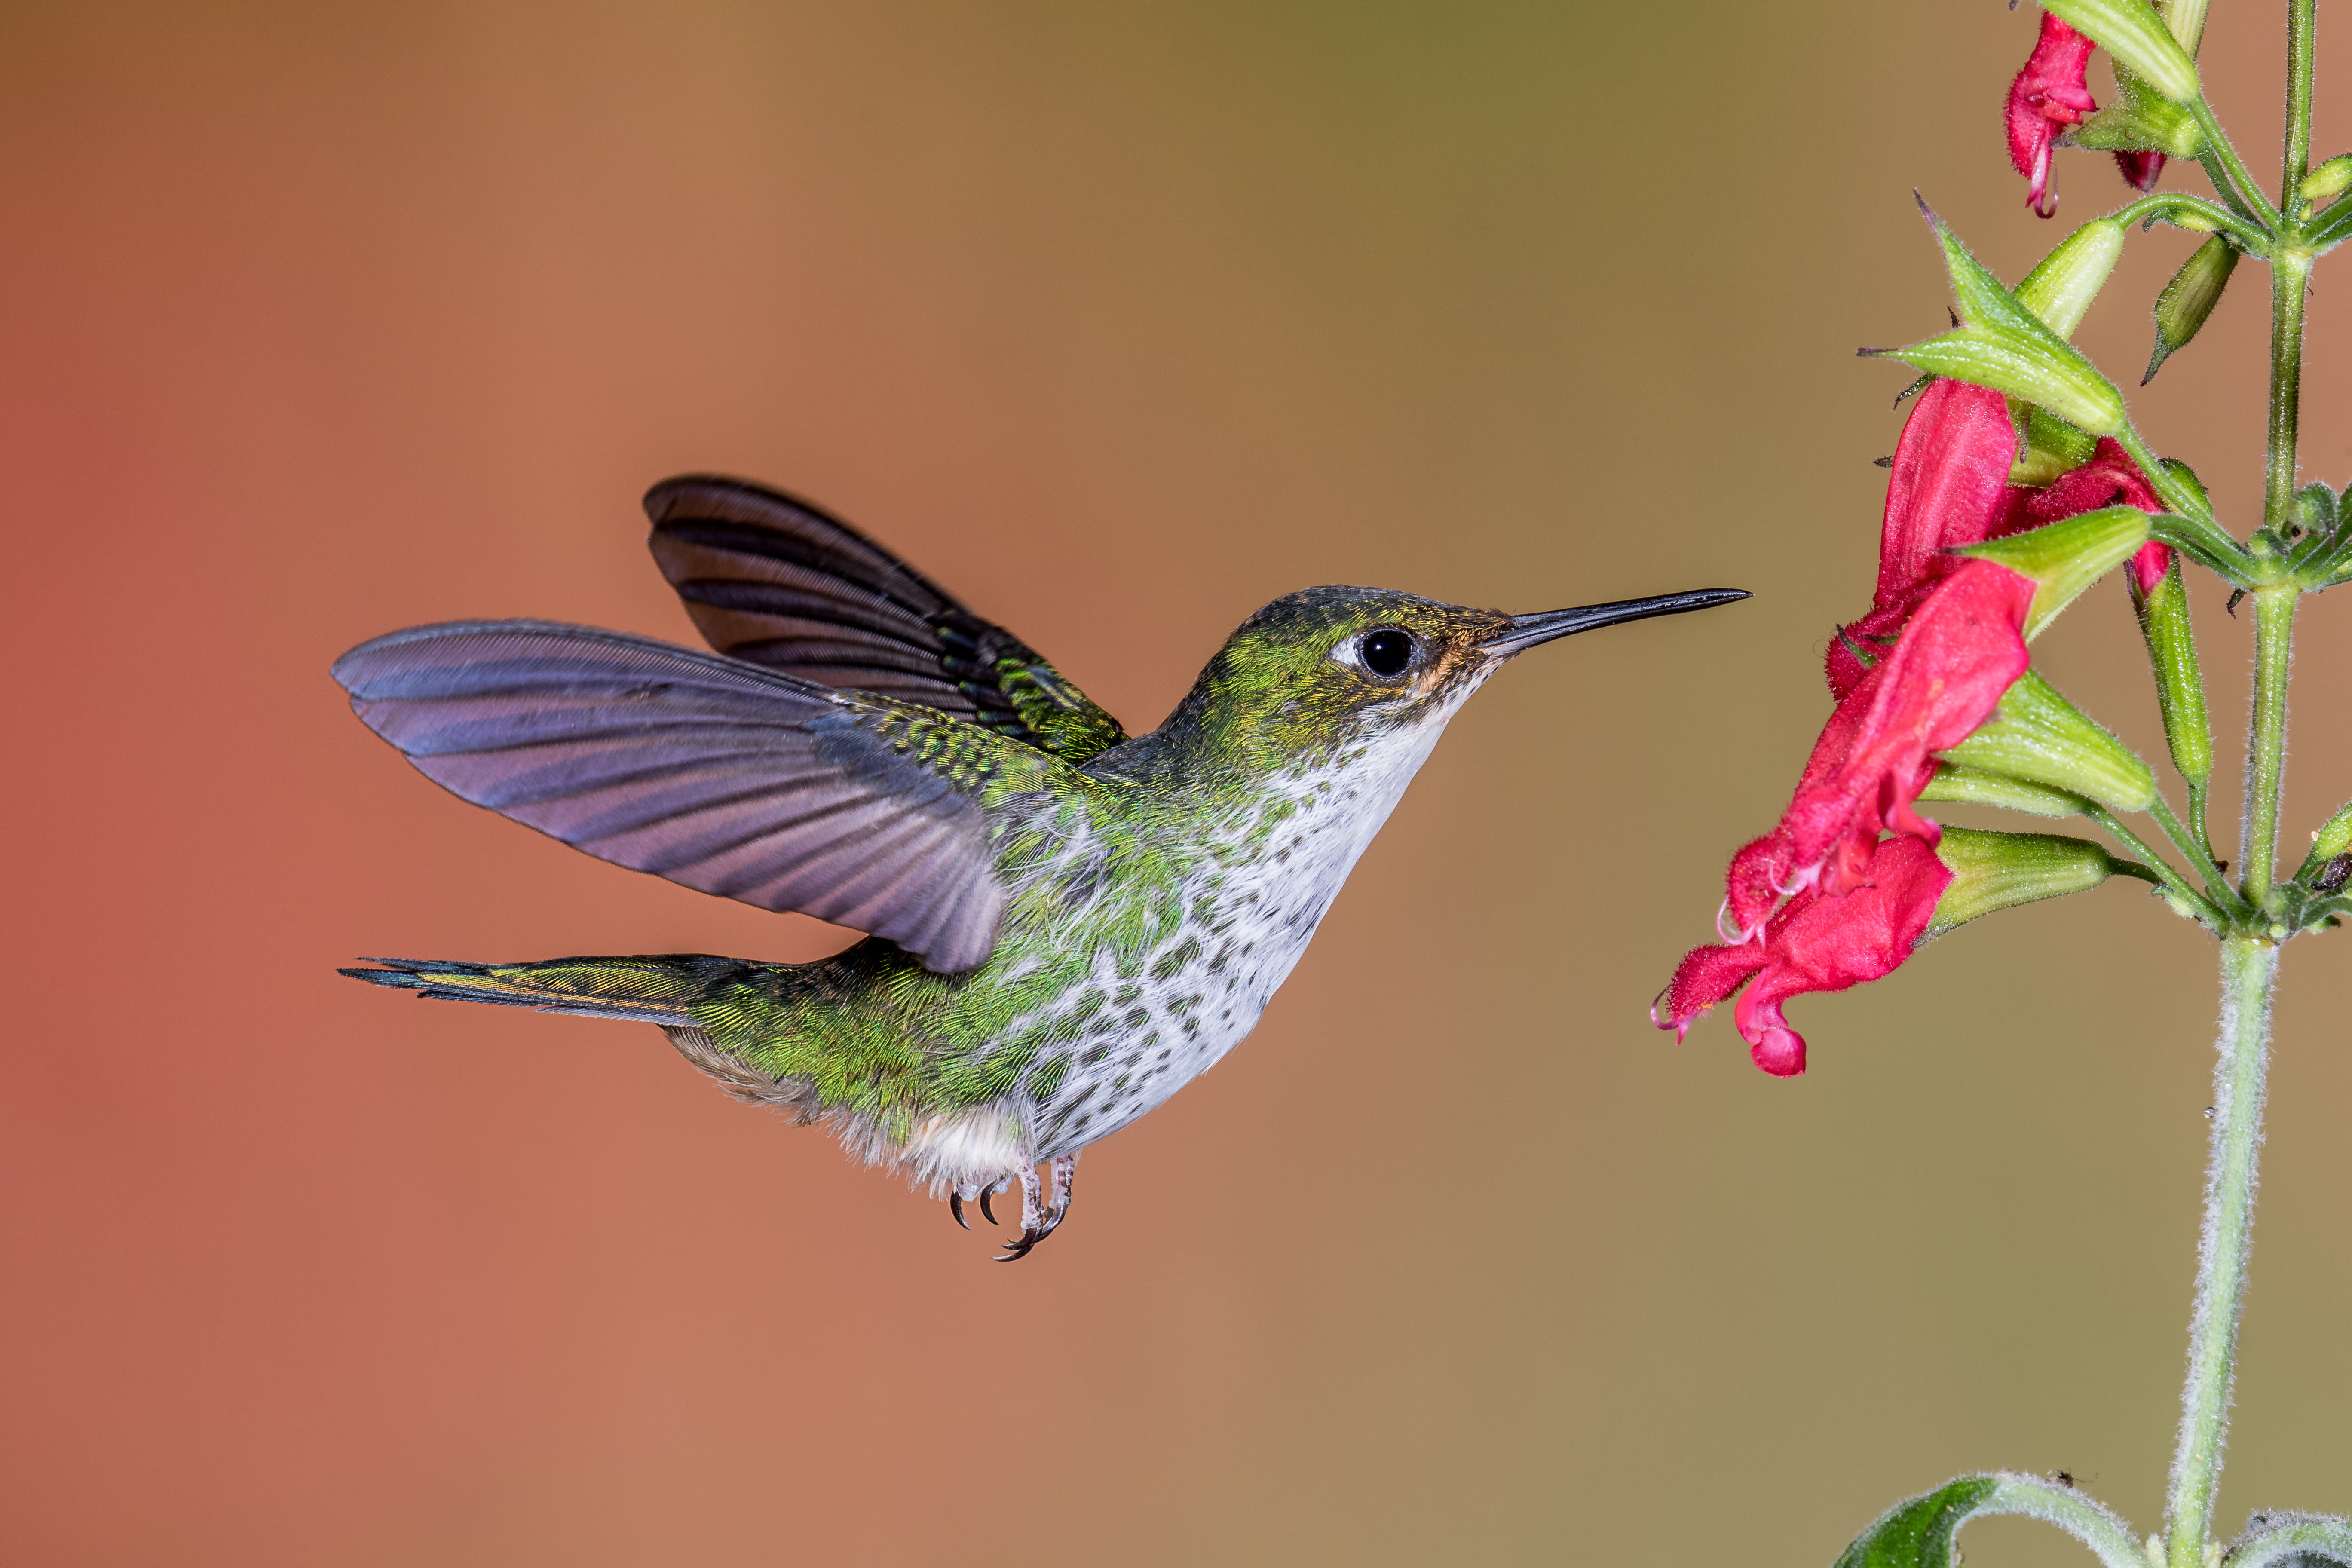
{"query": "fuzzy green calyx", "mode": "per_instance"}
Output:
(2189, 297)
(2066, 557)
(2002, 345)
(1969, 786)
(2180, 682)
(2039, 737)
(1994, 871)
(2062, 284)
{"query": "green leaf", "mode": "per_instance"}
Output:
(2137, 36)
(2066, 557)
(2037, 736)
(1918, 1534)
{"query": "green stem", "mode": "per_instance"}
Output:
(2229, 172)
(2290, 274)
(2300, 20)
(2169, 206)
(2163, 868)
(2249, 969)
(2267, 747)
(2193, 845)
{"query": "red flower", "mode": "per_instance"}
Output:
(2109, 478)
(2048, 93)
(1948, 487)
(1819, 942)
(2142, 169)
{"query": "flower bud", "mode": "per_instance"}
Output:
(2061, 285)
(2179, 683)
(2333, 839)
(2037, 736)
(2331, 179)
(2189, 297)
(1994, 871)
(2067, 556)
(1967, 786)
(2137, 36)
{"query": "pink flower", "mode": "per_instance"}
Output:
(1949, 486)
(1818, 941)
(2109, 478)
(2049, 93)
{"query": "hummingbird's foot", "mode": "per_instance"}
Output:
(955, 1208)
(1032, 1219)
(1063, 1172)
(987, 1193)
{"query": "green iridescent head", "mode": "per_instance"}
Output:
(1328, 669)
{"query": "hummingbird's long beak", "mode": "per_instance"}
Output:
(1526, 631)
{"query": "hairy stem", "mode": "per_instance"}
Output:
(2300, 21)
(2267, 745)
(2249, 969)
(2160, 869)
(2193, 845)
(2290, 274)
(2229, 172)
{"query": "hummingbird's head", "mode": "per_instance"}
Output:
(1327, 670)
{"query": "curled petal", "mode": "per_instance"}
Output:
(2141, 169)
(2050, 92)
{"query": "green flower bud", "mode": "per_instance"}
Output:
(1994, 871)
(1967, 786)
(2052, 446)
(2179, 683)
(2062, 285)
(2185, 18)
(2137, 36)
(2066, 557)
(2037, 736)
(2189, 297)
(2330, 180)
(2333, 838)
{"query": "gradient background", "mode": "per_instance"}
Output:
(324, 319)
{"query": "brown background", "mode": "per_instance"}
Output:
(320, 321)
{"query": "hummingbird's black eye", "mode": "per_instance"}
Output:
(1386, 651)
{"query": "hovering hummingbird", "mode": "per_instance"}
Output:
(1067, 924)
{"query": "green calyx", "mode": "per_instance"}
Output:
(2139, 121)
(2051, 448)
(2067, 557)
(2062, 284)
(2328, 181)
(1968, 786)
(2189, 297)
(2002, 345)
(2039, 737)
(2132, 32)
(1993, 871)
(2180, 682)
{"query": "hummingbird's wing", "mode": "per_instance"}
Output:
(777, 582)
(724, 776)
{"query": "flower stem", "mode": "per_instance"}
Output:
(2193, 845)
(2229, 172)
(2249, 968)
(2290, 272)
(2161, 869)
(2266, 746)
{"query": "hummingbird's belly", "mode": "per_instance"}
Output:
(1203, 987)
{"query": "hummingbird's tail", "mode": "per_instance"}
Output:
(661, 990)
(636, 990)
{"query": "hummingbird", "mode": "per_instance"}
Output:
(1065, 923)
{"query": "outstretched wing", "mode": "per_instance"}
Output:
(721, 775)
(777, 582)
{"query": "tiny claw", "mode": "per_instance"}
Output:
(1016, 1251)
(955, 1208)
(987, 1213)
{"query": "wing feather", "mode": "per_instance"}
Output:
(724, 776)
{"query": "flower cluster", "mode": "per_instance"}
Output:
(1845, 885)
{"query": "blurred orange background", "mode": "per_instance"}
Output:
(325, 320)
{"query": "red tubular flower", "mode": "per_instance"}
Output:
(1943, 640)
(2050, 92)
(1948, 487)
(2109, 478)
(1819, 942)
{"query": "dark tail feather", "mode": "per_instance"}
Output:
(635, 990)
